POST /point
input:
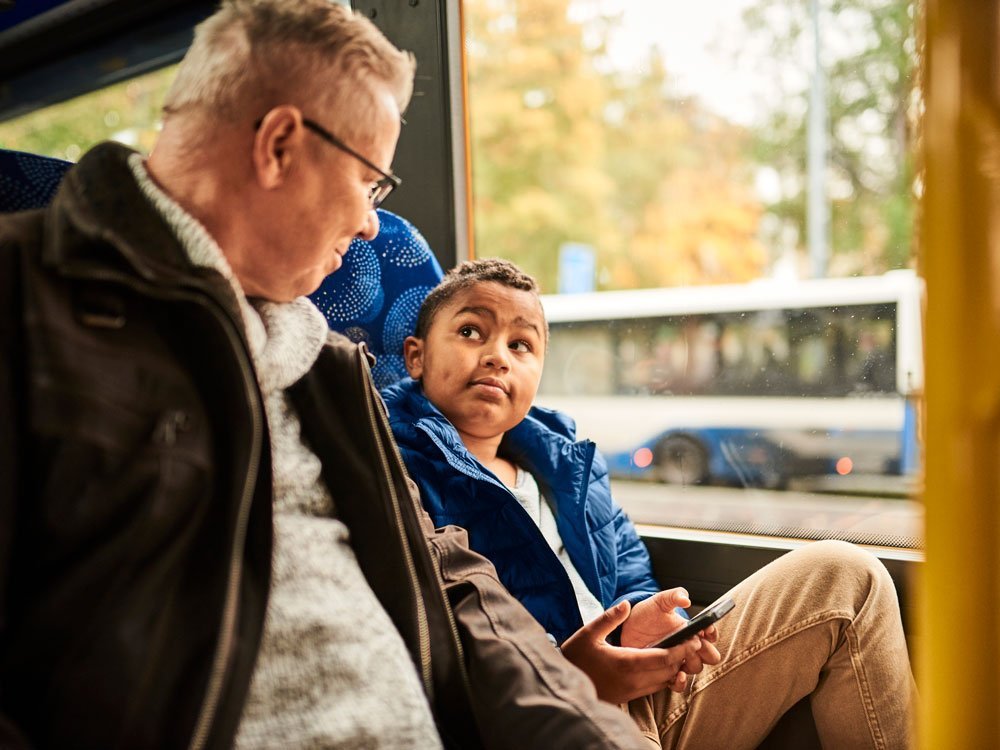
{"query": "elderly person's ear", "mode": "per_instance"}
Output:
(278, 139)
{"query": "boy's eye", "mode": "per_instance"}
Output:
(469, 332)
(521, 346)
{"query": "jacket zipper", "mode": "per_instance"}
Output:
(487, 476)
(423, 628)
(582, 505)
(220, 661)
(452, 625)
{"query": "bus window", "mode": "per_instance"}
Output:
(669, 147)
(127, 112)
(640, 135)
(582, 363)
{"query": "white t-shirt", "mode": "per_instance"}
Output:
(526, 491)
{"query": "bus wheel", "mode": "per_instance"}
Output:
(681, 460)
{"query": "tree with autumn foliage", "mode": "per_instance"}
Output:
(566, 149)
(685, 202)
(536, 103)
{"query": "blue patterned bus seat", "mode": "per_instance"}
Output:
(28, 181)
(376, 295)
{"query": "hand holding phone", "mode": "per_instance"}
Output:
(711, 614)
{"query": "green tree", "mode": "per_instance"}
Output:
(870, 60)
(128, 111)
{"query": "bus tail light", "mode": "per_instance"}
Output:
(845, 466)
(642, 458)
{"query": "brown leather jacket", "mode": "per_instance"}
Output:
(135, 506)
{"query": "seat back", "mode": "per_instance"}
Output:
(374, 297)
(28, 181)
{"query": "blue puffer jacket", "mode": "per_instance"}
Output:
(457, 489)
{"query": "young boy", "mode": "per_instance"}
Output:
(821, 621)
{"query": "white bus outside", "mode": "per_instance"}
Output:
(751, 384)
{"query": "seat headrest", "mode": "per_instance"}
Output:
(376, 295)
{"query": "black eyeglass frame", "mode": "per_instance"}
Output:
(383, 187)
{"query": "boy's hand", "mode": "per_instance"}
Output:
(652, 619)
(621, 674)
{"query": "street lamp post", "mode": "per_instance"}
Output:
(818, 214)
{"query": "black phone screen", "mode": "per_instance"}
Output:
(700, 621)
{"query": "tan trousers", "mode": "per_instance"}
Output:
(821, 621)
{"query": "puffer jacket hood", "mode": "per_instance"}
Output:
(572, 475)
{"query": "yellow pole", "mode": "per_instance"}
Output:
(958, 658)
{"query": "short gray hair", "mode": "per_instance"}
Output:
(252, 55)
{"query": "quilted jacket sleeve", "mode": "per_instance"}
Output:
(635, 571)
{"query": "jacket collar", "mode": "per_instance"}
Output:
(100, 200)
(101, 225)
(410, 410)
(543, 443)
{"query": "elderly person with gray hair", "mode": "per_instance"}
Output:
(207, 537)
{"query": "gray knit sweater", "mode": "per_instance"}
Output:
(332, 672)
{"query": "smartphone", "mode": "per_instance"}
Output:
(712, 613)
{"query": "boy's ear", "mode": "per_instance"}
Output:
(413, 356)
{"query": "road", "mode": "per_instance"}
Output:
(874, 520)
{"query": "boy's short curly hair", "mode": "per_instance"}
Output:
(468, 274)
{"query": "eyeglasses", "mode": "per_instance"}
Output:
(381, 189)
